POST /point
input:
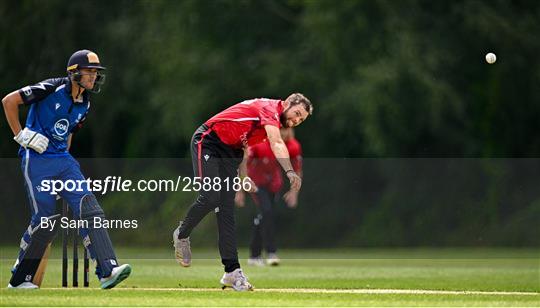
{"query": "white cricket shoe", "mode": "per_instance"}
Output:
(118, 275)
(24, 285)
(236, 280)
(182, 248)
(255, 261)
(272, 259)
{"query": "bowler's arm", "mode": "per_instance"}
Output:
(278, 147)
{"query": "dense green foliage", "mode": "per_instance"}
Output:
(387, 78)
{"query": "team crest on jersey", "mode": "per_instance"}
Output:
(61, 127)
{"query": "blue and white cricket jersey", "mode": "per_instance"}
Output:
(53, 113)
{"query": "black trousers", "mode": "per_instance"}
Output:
(263, 224)
(215, 160)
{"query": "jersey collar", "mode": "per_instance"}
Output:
(68, 91)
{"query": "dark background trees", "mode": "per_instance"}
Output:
(389, 79)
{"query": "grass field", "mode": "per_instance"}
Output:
(397, 277)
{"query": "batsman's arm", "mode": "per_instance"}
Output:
(11, 104)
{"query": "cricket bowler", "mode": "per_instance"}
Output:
(217, 149)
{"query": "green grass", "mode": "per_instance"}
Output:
(419, 269)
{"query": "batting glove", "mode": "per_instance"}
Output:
(33, 140)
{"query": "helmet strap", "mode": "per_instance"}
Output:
(76, 77)
(81, 89)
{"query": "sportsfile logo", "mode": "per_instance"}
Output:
(119, 184)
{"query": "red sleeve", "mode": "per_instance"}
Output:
(269, 115)
(295, 153)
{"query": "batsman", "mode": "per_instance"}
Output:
(57, 109)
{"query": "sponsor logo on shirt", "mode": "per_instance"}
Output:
(61, 127)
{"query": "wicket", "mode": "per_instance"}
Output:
(65, 242)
